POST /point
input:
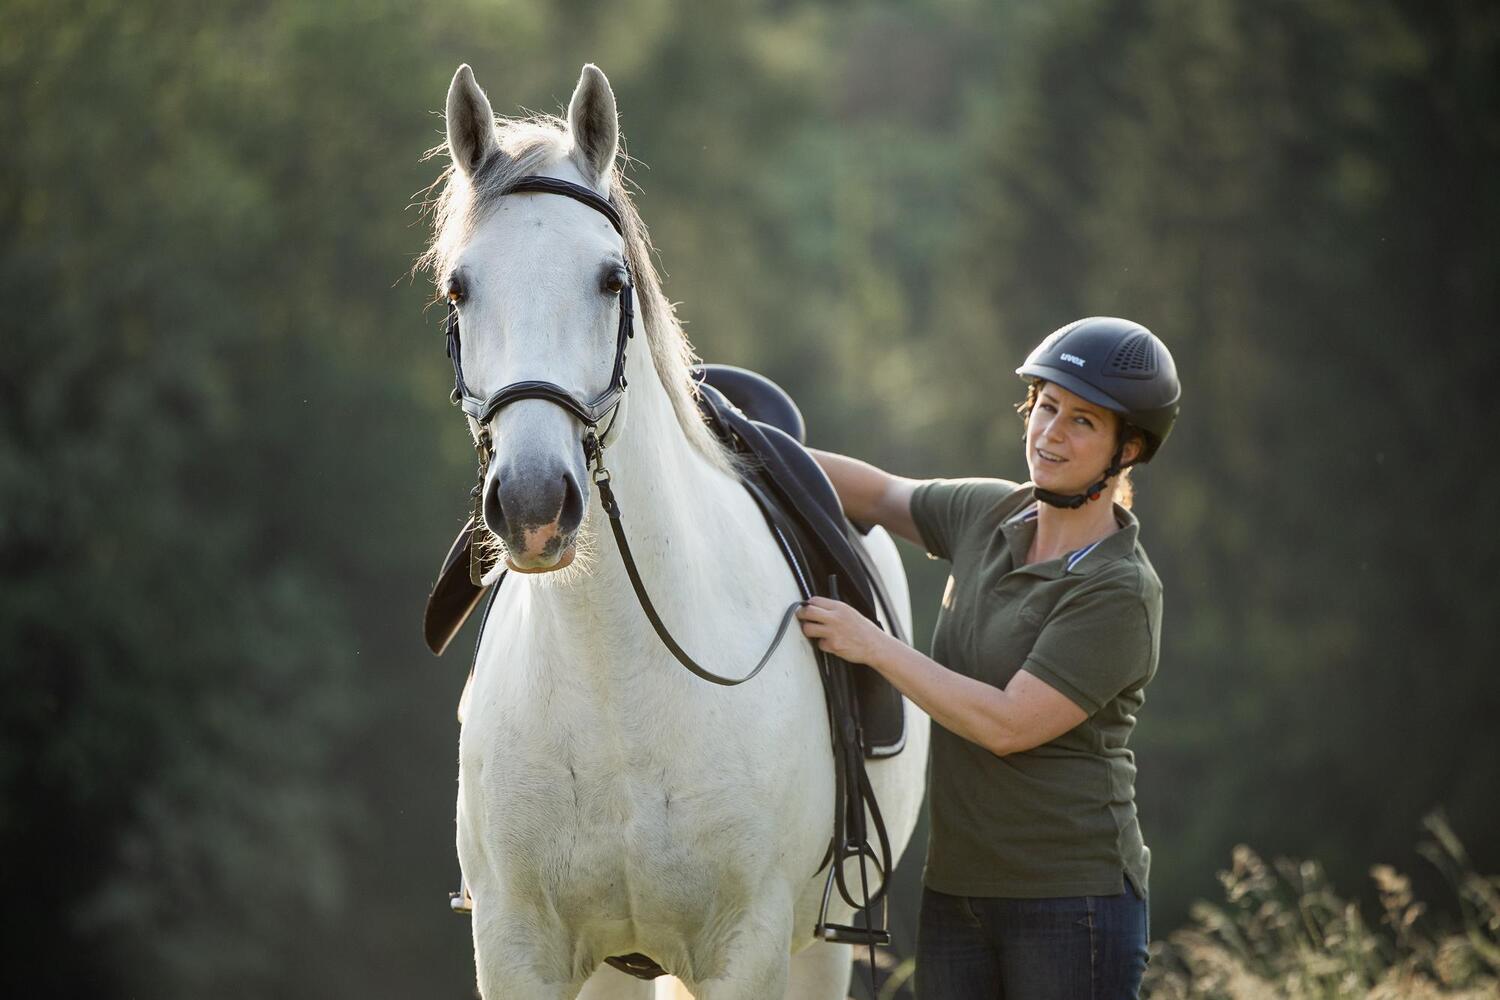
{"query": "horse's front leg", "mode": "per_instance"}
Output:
(514, 958)
(821, 972)
(753, 963)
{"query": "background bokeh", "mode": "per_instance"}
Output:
(228, 468)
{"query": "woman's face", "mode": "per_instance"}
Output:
(1069, 441)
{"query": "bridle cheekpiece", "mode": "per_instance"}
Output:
(591, 412)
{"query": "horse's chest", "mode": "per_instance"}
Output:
(604, 845)
(601, 812)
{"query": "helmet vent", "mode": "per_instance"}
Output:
(1134, 358)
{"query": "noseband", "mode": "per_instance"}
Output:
(591, 412)
(853, 789)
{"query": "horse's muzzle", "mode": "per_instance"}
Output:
(535, 513)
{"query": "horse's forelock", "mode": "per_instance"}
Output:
(526, 147)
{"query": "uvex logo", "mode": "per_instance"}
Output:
(1075, 359)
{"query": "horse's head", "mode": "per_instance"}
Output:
(537, 283)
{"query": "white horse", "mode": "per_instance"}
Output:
(609, 802)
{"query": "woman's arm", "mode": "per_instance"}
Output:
(1026, 713)
(871, 495)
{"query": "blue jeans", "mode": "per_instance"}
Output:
(1071, 948)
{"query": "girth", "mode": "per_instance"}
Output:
(802, 511)
(804, 516)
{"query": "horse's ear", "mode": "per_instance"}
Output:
(595, 126)
(471, 123)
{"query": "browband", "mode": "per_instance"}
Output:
(555, 185)
(591, 412)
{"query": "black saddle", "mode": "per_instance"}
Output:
(758, 420)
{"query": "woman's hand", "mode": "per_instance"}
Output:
(842, 631)
(1026, 713)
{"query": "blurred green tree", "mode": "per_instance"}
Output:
(227, 466)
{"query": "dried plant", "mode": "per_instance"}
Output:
(1284, 933)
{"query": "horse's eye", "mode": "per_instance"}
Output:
(453, 287)
(614, 282)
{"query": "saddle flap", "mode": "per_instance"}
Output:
(796, 479)
(454, 596)
(793, 479)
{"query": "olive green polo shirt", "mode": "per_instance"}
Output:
(1059, 819)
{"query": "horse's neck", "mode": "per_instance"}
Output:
(682, 518)
(666, 488)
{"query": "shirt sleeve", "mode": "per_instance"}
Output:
(1095, 645)
(944, 508)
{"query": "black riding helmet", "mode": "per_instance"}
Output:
(1116, 364)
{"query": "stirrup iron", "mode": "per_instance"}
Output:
(460, 902)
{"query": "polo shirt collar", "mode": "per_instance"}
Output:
(1020, 528)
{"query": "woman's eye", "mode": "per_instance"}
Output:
(1086, 422)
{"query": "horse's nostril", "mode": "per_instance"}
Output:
(572, 506)
(494, 514)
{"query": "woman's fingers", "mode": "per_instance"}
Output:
(823, 620)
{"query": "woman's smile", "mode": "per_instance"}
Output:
(1070, 440)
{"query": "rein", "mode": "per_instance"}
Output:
(853, 791)
(612, 508)
(592, 412)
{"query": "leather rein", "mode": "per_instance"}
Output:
(850, 840)
(483, 409)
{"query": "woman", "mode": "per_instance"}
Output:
(1036, 877)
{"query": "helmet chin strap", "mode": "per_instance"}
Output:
(1076, 500)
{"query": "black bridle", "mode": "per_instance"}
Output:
(592, 412)
(850, 837)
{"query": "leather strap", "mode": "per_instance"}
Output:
(556, 185)
(591, 412)
(853, 791)
(1076, 500)
(637, 965)
(850, 837)
(454, 596)
(612, 508)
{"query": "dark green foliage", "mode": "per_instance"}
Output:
(227, 467)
